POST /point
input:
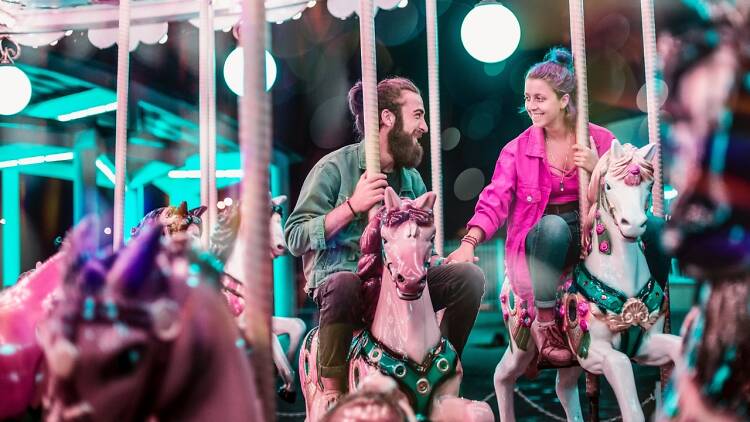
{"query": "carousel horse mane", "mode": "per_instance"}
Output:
(226, 230)
(630, 167)
(175, 219)
(146, 323)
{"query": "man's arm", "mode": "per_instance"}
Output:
(316, 218)
(305, 228)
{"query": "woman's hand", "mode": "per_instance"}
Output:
(464, 253)
(585, 158)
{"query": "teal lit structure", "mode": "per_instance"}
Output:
(59, 136)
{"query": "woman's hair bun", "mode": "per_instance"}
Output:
(561, 56)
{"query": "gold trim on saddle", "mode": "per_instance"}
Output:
(634, 313)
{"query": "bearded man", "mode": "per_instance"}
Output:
(332, 212)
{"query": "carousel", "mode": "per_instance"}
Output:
(189, 311)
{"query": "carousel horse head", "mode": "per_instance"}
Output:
(138, 333)
(173, 220)
(704, 65)
(619, 190)
(399, 239)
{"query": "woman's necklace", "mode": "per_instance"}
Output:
(565, 163)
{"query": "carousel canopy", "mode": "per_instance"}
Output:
(40, 22)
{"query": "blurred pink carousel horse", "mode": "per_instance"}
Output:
(143, 334)
(404, 339)
(22, 306)
(230, 248)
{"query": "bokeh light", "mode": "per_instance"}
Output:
(233, 67)
(662, 91)
(450, 138)
(468, 184)
(16, 88)
(490, 32)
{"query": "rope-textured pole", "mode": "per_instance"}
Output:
(255, 144)
(433, 75)
(207, 102)
(578, 44)
(652, 102)
(369, 85)
(121, 122)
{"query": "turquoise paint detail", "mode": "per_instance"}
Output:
(11, 230)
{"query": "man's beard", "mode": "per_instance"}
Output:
(406, 153)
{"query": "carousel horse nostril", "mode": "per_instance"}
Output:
(400, 278)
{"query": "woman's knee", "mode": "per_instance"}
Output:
(552, 229)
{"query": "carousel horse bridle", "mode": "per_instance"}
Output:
(423, 218)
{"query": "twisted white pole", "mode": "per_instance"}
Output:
(255, 144)
(578, 44)
(433, 74)
(121, 122)
(369, 85)
(652, 102)
(207, 103)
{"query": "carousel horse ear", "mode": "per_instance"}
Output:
(278, 200)
(392, 201)
(198, 211)
(136, 261)
(647, 152)
(426, 201)
(182, 210)
(616, 150)
(80, 246)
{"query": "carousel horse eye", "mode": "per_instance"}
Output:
(607, 186)
(125, 362)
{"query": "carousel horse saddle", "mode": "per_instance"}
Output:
(630, 317)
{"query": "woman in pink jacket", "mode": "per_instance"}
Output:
(535, 188)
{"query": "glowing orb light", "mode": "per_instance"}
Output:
(233, 71)
(490, 32)
(16, 88)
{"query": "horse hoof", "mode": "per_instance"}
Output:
(289, 396)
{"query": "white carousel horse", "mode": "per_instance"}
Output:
(404, 339)
(612, 310)
(226, 243)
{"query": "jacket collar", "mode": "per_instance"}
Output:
(536, 142)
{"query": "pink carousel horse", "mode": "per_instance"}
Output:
(22, 306)
(612, 310)
(403, 340)
(144, 333)
(229, 247)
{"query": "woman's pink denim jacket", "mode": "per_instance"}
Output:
(519, 192)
